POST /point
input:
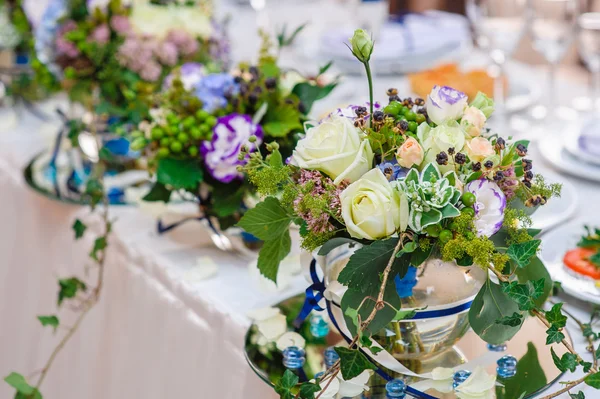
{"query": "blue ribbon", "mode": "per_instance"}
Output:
(161, 228)
(314, 294)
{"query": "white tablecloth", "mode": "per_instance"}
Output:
(157, 332)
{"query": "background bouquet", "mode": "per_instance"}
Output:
(420, 190)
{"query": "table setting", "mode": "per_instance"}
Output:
(362, 206)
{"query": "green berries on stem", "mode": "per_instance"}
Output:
(468, 199)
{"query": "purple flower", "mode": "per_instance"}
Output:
(64, 46)
(221, 153)
(167, 53)
(392, 170)
(151, 71)
(120, 23)
(445, 104)
(489, 206)
(185, 43)
(190, 73)
(350, 111)
(101, 34)
(213, 89)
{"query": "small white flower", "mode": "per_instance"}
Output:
(290, 338)
(270, 322)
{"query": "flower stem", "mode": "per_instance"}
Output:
(370, 80)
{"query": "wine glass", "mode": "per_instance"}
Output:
(498, 27)
(553, 29)
(588, 46)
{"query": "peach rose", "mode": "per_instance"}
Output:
(473, 121)
(479, 148)
(410, 153)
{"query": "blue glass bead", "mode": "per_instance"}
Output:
(50, 173)
(395, 389)
(331, 357)
(293, 357)
(507, 366)
(460, 377)
(319, 374)
(496, 348)
(319, 328)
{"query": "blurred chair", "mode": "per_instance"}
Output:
(404, 6)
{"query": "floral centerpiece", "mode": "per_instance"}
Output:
(204, 124)
(419, 216)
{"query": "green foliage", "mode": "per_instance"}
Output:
(79, 228)
(515, 320)
(352, 362)
(267, 221)
(529, 378)
(51, 321)
(20, 384)
(568, 361)
(179, 173)
(536, 271)
(308, 93)
(283, 39)
(593, 380)
(308, 390)
(285, 385)
(159, 192)
(281, 120)
(334, 243)
(554, 335)
(555, 317)
(99, 245)
(69, 288)
(578, 395)
(524, 294)
(523, 252)
(491, 304)
(272, 253)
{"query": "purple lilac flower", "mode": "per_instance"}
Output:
(101, 34)
(151, 71)
(489, 206)
(64, 46)
(186, 44)
(213, 88)
(392, 170)
(509, 183)
(229, 135)
(120, 23)
(167, 53)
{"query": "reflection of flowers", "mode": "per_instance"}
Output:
(346, 389)
(229, 135)
(272, 325)
(213, 89)
(480, 385)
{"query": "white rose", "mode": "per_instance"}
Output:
(439, 139)
(336, 148)
(372, 208)
(473, 121)
(480, 385)
(445, 104)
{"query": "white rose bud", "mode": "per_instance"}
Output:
(372, 208)
(445, 104)
(362, 45)
(473, 121)
(335, 147)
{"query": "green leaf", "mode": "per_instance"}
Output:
(79, 228)
(281, 120)
(404, 314)
(522, 253)
(420, 255)
(533, 272)
(99, 245)
(286, 383)
(432, 216)
(272, 253)
(281, 128)
(515, 320)
(267, 221)
(578, 395)
(524, 294)
(227, 205)
(412, 175)
(567, 362)
(69, 288)
(593, 380)
(106, 155)
(183, 174)
(308, 390)
(554, 335)
(159, 192)
(352, 362)
(308, 93)
(325, 68)
(353, 299)
(492, 304)
(530, 377)
(450, 211)
(431, 173)
(18, 382)
(275, 159)
(51, 321)
(586, 366)
(555, 316)
(474, 176)
(352, 315)
(365, 265)
(334, 243)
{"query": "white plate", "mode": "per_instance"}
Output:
(554, 151)
(557, 210)
(573, 146)
(554, 246)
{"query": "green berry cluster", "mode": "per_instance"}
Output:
(402, 112)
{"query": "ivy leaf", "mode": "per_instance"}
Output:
(554, 335)
(578, 395)
(524, 294)
(159, 192)
(522, 253)
(308, 93)
(483, 318)
(593, 380)
(567, 362)
(308, 390)
(287, 382)
(586, 366)
(99, 245)
(183, 174)
(267, 221)
(49, 321)
(404, 314)
(272, 253)
(555, 316)
(18, 382)
(536, 271)
(334, 243)
(69, 288)
(514, 320)
(352, 362)
(366, 264)
(79, 228)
